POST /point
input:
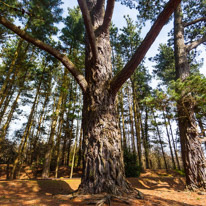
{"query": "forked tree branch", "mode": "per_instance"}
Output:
(185, 24)
(196, 43)
(108, 15)
(140, 53)
(100, 5)
(89, 27)
(61, 57)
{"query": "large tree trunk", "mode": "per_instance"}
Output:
(103, 168)
(192, 152)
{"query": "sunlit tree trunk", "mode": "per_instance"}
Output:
(79, 163)
(58, 143)
(169, 141)
(160, 141)
(131, 121)
(25, 136)
(36, 136)
(145, 138)
(137, 121)
(202, 129)
(13, 107)
(121, 102)
(173, 143)
(50, 144)
(192, 152)
(75, 146)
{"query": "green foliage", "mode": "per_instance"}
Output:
(193, 10)
(40, 15)
(73, 33)
(148, 9)
(132, 169)
(165, 64)
(73, 37)
(181, 172)
(7, 151)
(194, 84)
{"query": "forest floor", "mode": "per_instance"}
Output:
(159, 188)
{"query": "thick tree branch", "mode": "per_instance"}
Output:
(100, 5)
(108, 15)
(89, 27)
(185, 24)
(196, 43)
(63, 58)
(140, 53)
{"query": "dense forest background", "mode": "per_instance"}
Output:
(41, 103)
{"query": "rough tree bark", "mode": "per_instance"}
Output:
(192, 152)
(103, 168)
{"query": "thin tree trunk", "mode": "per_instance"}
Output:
(6, 102)
(160, 141)
(174, 147)
(50, 144)
(137, 118)
(8, 84)
(74, 151)
(10, 115)
(13, 107)
(145, 139)
(131, 124)
(26, 133)
(66, 149)
(9, 90)
(58, 144)
(123, 121)
(80, 149)
(36, 138)
(169, 141)
(11, 68)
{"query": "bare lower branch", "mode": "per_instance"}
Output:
(89, 27)
(108, 15)
(63, 58)
(140, 53)
(185, 24)
(196, 43)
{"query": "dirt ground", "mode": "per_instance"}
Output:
(158, 187)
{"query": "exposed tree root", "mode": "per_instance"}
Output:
(106, 199)
(194, 188)
(102, 199)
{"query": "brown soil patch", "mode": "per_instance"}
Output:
(159, 189)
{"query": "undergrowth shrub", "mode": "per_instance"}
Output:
(132, 169)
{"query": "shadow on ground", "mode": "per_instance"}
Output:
(49, 192)
(152, 183)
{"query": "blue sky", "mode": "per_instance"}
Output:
(119, 21)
